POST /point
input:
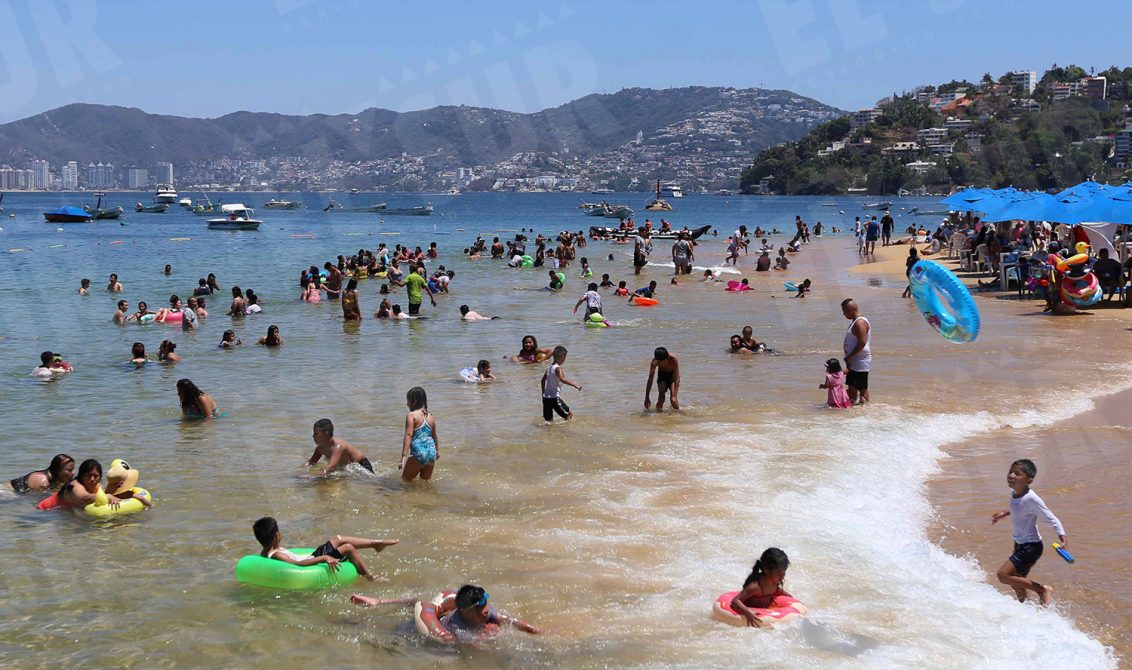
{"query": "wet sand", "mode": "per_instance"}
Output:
(1081, 476)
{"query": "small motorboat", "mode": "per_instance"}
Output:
(282, 204)
(100, 212)
(606, 210)
(159, 208)
(335, 206)
(238, 217)
(878, 205)
(186, 203)
(658, 205)
(602, 191)
(67, 214)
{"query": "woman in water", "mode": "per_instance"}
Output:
(421, 448)
(174, 307)
(530, 353)
(166, 353)
(212, 284)
(143, 310)
(272, 339)
(137, 353)
(763, 585)
(60, 470)
(311, 292)
(195, 403)
(82, 490)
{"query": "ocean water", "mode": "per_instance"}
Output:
(615, 531)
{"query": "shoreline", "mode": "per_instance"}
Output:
(1072, 459)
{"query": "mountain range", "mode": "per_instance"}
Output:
(753, 118)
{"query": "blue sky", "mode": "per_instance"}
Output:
(208, 58)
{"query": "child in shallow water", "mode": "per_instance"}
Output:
(835, 381)
(763, 585)
(420, 449)
(332, 552)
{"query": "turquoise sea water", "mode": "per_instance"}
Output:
(616, 531)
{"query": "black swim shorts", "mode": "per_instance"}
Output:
(327, 549)
(366, 464)
(552, 405)
(414, 309)
(1025, 556)
(857, 380)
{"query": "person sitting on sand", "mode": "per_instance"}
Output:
(332, 552)
(337, 452)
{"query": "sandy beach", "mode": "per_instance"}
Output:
(1081, 475)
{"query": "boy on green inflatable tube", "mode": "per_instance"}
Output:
(332, 552)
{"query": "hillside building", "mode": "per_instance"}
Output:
(137, 178)
(101, 175)
(1024, 80)
(1123, 149)
(863, 117)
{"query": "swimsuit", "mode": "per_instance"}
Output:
(667, 377)
(423, 446)
(20, 484)
(328, 549)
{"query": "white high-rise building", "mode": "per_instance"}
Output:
(70, 176)
(42, 174)
(137, 178)
(164, 173)
(1027, 80)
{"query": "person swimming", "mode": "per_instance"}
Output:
(530, 352)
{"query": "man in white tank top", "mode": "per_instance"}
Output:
(858, 355)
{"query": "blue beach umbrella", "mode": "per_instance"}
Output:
(965, 200)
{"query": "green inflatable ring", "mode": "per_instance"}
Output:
(527, 262)
(274, 574)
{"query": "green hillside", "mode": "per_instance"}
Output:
(1053, 137)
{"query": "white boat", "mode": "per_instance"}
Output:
(453, 191)
(725, 191)
(602, 191)
(187, 203)
(282, 204)
(238, 217)
(166, 194)
(670, 189)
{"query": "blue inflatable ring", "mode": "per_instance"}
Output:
(944, 301)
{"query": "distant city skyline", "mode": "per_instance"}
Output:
(342, 56)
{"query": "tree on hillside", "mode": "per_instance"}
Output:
(1062, 74)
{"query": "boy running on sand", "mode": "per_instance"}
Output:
(1025, 507)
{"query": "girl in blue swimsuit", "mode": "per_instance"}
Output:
(420, 448)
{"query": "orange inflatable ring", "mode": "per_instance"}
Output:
(783, 610)
(640, 301)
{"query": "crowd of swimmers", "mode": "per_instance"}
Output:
(468, 616)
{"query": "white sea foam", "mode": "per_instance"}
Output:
(845, 497)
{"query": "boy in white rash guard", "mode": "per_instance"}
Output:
(1025, 508)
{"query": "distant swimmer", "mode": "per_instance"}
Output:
(338, 452)
(166, 352)
(84, 287)
(114, 285)
(467, 314)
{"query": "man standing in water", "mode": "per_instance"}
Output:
(414, 284)
(641, 248)
(858, 355)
